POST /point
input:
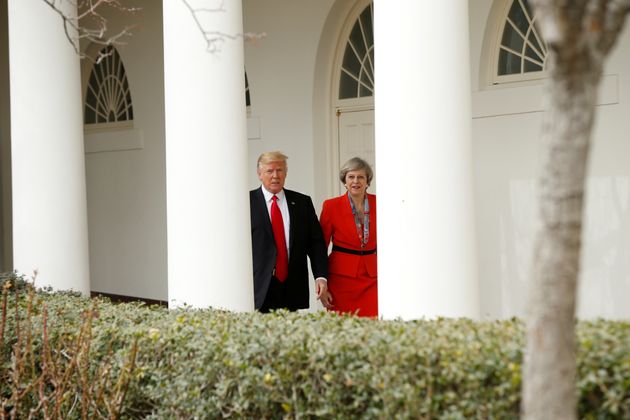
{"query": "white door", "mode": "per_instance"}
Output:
(356, 138)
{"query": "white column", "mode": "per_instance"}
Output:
(209, 239)
(48, 168)
(426, 250)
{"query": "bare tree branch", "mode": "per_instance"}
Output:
(214, 39)
(609, 17)
(89, 24)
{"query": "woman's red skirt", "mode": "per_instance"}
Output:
(356, 295)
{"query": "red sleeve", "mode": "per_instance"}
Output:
(326, 222)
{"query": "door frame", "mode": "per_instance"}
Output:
(332, 42)
(335, 187)
(339, 106)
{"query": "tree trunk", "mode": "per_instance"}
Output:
(579, 34)
(549, 371)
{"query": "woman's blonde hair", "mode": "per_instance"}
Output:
(356, 164)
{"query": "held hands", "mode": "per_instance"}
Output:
(321, 288)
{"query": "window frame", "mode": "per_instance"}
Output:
(498, 25)
(352, 18)
(107, 136)
(108, 125)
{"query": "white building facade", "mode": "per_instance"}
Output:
(130, 177)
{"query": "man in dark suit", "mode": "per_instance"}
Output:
(284, 217)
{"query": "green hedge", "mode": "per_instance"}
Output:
(73, 357)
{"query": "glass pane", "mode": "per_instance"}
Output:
(518, 17)
(536, 29)
(511, 38)
(347, 87)
(366, 21)
(351, 62)
(90, 116)
(367, 69)
(90, 102)
(128, 99)
(93, 83)
(100, 70)
(509, 63)
(365, 80)
(529, 66)
(365, 91)
(528, 9)
(120, 70)
(532, 40)
(356, 37)
(111, 63)
(373, 63)
(533, 54)
(90, 98)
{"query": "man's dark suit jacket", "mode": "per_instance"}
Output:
(305, 239)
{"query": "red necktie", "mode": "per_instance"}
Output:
(277, 224)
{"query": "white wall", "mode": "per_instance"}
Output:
(126, 188)
(506, 151)
(605, 276)
(280, 68)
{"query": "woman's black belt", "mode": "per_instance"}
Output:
(354, 251)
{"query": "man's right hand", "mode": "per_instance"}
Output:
(323, 294)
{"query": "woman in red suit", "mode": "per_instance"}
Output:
(350, 222)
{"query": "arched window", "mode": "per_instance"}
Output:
(108, 98)
(356, 78)
(522, 51)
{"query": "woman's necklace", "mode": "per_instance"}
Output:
(362, 222)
